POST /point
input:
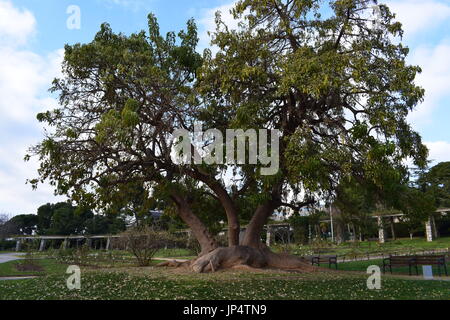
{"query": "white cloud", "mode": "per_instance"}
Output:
(426, 21)
(439, 151)
(16, 25)
(17, 197)
(435, 78)
(419, 15)
(24, 79)
(207, 22)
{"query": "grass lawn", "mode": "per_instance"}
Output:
(100, 285)
(169, 284)
(49, 266)
(120, 279)
(372, 248)
(363, 265)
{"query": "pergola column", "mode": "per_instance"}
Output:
(429, 230)
(42, 245)
(18, 244)
(269, 235)
(108, 243)
(381, 237)
(65, 243)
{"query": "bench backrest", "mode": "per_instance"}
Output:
(401, 259)
(418, 259)
(324, 258)
(430, 259)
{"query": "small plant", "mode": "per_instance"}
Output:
(144, 242)
(28, 263)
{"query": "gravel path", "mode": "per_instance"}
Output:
(6, 257)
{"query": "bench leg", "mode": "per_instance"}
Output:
(417, 270)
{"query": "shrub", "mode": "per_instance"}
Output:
(144, 242)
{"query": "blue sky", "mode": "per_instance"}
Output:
(33, 33)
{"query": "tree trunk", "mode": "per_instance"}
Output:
(201, 233)
(227, 203)
(232, 214)
(252, 236)
(393, 228)
(251, 254)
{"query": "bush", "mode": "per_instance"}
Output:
(7, 245)
(29, 262)
(144, 242)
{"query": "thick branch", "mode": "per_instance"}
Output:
(201, 233)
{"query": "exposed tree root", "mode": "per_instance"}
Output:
(243, 257)
(175, 264)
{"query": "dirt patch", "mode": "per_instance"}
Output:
(28, 266)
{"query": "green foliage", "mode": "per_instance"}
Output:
(436, 182)
(65, 219)
(136, 79)
(143, 242)
(24, 224)
(301, 225)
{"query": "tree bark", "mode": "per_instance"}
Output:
(227, 203)
(231, 211)
(201, 233)
(252, 236)
(393, 229)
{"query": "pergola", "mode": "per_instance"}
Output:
(43, 240)
(428, 224)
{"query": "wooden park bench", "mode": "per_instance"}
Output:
(433, 260)
(331, 260)
(399, 261)
(414, 262)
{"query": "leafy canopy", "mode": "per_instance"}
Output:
(333, 81)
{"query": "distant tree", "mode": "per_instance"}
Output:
(436, 182)
(25, 224)
(62, 219)
(105, 224)
(6, 227)
(45, 214)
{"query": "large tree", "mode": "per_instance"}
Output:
(336, 86)
(62, 218)
(436, 183)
